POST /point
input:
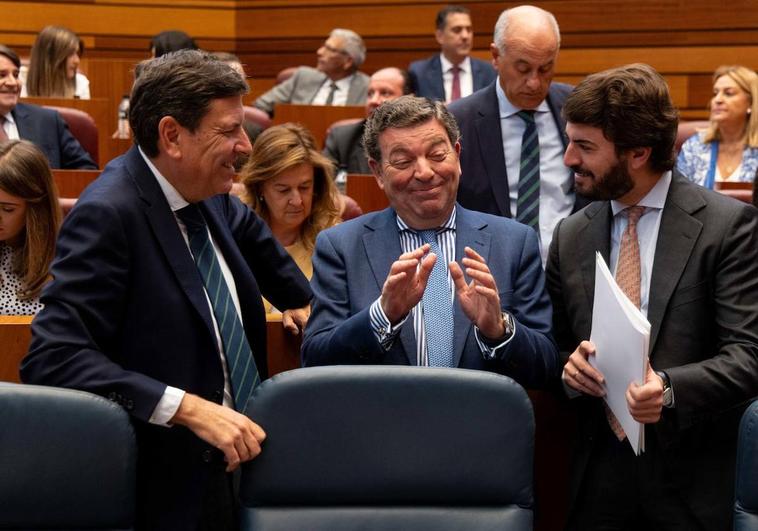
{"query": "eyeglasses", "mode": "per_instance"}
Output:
(332, 49)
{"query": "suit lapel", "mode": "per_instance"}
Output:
(490, 140)
(434, 77)
(382, 246)
(677, 236)
(166, 230)
(318, 80)
(468, 232)
(23, 125)
(594, 236)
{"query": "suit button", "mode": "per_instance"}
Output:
(217, 395)
(207, 456)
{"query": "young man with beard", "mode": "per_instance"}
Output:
(688, 257)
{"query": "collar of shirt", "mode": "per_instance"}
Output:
(448, 225)
(464, 65)
(655, 198)
(174, 198)
(9, 118)
(507, 109)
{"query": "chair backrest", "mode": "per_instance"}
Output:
(746, 489)
(686, 129)
(383, 447)
(366, 192)
(340, 123)
(67, 458)
(350, 208)
(83, 127)
(257, 116)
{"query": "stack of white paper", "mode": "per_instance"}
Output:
(621, 335)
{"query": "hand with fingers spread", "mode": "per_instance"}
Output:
(580, 375)
(294, 320)
(479, 298)
(646, 401)
(406, 282)
(238, 437)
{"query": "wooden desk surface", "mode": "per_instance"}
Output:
(15, 335)
(71, 183)
(366, 192)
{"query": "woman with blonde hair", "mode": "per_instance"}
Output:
(290, 184)
(728, 149)
(53, 66)
(29, 221)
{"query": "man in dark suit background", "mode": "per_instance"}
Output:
(435, 77)
(382, 295)
(344, 144)
(493, 126)
(688, 257)
(132, 312)
(44, 127)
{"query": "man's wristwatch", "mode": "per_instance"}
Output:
(508, 325)
(668, 394)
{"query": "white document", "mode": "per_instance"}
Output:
(621, 335)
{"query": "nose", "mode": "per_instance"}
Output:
(321, 51)
(76, 59)
(243, 145)
(423, 170)
(296, 198)
(570, 158)
(533, 80)
(10, 80)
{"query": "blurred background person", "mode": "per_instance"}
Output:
(53, 66)
(290, 184)
(171, 41)
(728, 149)
(29, 221)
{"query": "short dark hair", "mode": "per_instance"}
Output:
(405, 111)
(632, 106)
(443, 13)
(181, 84)
(10, 54)
(172, 41)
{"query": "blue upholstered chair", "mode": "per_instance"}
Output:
(67, 461)
(746, 491)
(386, 448)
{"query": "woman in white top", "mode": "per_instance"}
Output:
(728, 149)
(29, 221)
(53, 66)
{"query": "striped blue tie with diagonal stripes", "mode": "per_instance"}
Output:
(528, 204)
(239, 356)
(438, 308)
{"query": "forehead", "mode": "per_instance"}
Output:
(224, 112)
(726, 81)
(6, 64)
(413, 138)
(382, 80)
(335, 41)
(583, 133)
(456, 20)
(531, 43)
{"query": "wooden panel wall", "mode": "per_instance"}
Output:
(684, 39)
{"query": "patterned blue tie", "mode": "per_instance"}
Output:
(239, 356)
(528, 204)
(438, 308)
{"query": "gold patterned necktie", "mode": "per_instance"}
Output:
(628, 274)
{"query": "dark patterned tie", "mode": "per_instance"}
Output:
(330, 97)
(239, 357)
(528, 203)
(438, 308)
(455, 91)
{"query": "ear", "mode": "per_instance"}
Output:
(495, 51)
(170, 136)
(438, 34)
(638, 157)
(376, 170)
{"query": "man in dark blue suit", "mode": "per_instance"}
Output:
(44, 127)
(383, 282)
(435, 77)
(131, 314)
(493, 123)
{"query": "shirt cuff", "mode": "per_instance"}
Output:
(489, 351)
(383, 330)
(167, 407)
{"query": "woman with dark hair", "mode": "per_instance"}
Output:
(171, 41)
(53, 67)
(29, 221)
(290, 184)
(728, 149)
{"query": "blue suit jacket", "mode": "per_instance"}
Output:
(426, 76)
(49, 131)
(126, 315)
(484, 178)
(352, 261)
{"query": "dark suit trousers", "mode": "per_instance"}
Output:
(220, 509)
(621, 491)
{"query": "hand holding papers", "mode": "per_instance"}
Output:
(621, 336)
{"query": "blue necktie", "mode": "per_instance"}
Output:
(239, 356)
(438, 308)
(528, 203)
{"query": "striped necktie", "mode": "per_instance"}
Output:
(528, 203)
(239, 356)
(438, 308)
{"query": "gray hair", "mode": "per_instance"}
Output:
(504, 20)
(353, 45)
(405, 111)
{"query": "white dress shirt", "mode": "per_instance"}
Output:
(340, 95)
(10, 128)
(465, 76)
(556, 185)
